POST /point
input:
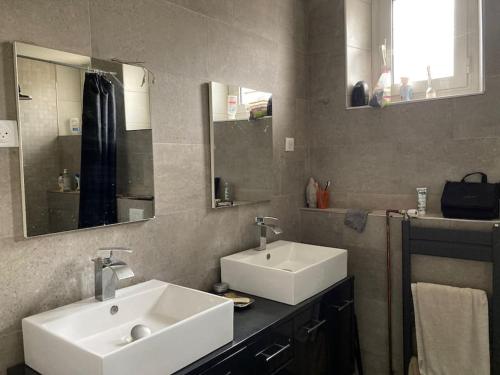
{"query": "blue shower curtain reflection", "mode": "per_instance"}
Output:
(98, 160)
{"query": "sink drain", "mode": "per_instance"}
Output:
(113, 310)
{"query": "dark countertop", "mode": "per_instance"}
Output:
(262, 314)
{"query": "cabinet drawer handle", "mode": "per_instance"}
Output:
(285, 365)
(310, 330)
(281, 349)
(345, 305)
(225, 360)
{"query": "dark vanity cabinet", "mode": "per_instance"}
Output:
(270, 353)
(324, 335)
(315, 337)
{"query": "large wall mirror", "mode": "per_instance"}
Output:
(85, 141)
(408, 50)
(241, 135)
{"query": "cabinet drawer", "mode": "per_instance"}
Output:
(309, 322)
(312, 341)
(340, 295)
(338, 305)
(236, 363)
(274, 352)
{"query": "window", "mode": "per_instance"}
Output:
(248, 96)
(437, 38)
(423, 36)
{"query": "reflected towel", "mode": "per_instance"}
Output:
(413, 367)
(451, 326)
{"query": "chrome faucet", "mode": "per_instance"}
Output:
(108, 271)
(260, 222)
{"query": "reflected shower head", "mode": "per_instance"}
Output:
(23, 96)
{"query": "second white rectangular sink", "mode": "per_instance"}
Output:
(94, 338)
(287, 272)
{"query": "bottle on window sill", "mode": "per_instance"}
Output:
(431, 92)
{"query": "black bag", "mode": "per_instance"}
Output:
(471, 200)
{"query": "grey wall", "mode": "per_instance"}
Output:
(376, 158)
(186, 43)
(69, 150)
(242, 156)
(135, 174)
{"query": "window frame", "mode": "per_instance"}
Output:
(250, 91)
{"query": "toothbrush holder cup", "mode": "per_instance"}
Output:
(323, 197)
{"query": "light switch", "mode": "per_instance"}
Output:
(8, 134)
(289, 144)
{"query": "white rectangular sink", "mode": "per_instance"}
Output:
(86, 338)
(287, 272)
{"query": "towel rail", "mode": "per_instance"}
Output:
(458, 244)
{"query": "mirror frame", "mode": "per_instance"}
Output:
(32, 51)
(212, 152)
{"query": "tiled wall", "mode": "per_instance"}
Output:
(376, 158)
(39, 134)
(187, 43)
(242, 156)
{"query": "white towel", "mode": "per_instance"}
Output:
(451, 325)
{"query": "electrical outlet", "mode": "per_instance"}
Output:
(289, 144)
(8, 134)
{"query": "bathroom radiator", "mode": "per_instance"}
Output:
(474, 245)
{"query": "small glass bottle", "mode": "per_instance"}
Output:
(227, 194)
(431, 92)
(405, 91)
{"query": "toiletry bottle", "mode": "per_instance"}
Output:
(67, 180)
(311, 193)
(421, 201)
(60, 182)
(75, 126)
(227, 192)
(232, 106)
(405, 91)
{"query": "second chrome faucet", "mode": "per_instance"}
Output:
(260, 221)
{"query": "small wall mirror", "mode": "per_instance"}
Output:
(85, 141)
(408, 50)
(241, 137)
